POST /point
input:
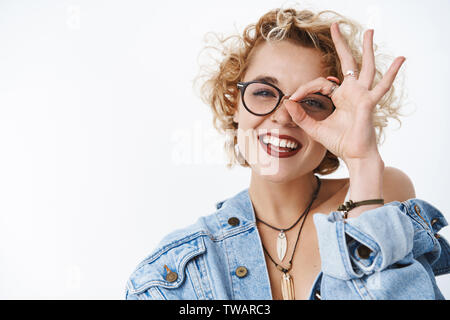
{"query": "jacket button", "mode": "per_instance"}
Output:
(241, 271)
(172, 276)
(417, 209)
(233, 221)
(364, 252)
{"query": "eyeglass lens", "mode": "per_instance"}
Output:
(262, 98)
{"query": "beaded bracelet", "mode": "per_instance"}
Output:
(349, 205)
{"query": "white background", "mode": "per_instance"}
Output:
(105, 147)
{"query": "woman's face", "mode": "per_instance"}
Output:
(287, 66)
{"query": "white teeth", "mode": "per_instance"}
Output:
(275, 141)
(279, 142)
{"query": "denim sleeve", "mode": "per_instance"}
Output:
(129, 296)
(369, 243)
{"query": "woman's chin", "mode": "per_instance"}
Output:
(274, 172)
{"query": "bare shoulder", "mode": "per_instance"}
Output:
(397, 185)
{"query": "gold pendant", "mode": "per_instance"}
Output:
(287, 286)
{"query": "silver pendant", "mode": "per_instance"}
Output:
(281, 245)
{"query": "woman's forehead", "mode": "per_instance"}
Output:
(284, 61)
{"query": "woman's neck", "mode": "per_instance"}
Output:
(280, 204)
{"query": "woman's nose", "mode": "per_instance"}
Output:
(282, 116)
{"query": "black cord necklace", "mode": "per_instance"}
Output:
(287, 286)
(282, 239)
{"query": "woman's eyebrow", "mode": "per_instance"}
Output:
(323, 95)
(275, 82)
(267, 79)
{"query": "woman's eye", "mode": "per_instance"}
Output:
(312, 103)
(264, 93)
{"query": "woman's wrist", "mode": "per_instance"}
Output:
(366, 182)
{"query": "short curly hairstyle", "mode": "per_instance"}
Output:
(218, 81)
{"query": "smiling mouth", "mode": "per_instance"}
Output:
(272, 145)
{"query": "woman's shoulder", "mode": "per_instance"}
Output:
(165, 265)
(397, 185)
(426, 218)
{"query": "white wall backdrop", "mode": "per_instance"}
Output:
(105, 148)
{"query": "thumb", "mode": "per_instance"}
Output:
(301, 118)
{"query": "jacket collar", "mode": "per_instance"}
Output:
(240, 204)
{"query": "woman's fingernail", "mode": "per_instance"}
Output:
(334, 79)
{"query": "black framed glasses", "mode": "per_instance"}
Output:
(262, 98)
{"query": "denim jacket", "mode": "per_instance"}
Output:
(390, 252)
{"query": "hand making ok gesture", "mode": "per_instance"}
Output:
(348, 132)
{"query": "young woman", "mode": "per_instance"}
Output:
(296, 94)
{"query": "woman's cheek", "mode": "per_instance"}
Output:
(247, 142)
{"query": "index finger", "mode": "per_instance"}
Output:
(319, 85)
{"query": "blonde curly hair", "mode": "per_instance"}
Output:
(218, 82)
